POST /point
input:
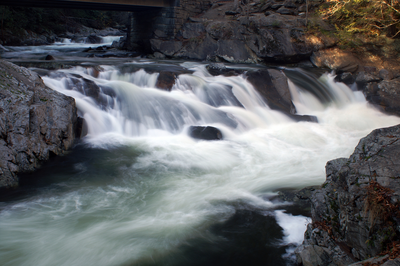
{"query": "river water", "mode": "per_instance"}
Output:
(137, 190)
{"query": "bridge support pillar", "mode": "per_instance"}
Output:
(144, 25)
(161, 23)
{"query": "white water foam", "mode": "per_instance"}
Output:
(165, 187)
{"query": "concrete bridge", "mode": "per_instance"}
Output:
(118, 5)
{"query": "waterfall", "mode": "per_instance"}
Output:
(138, 190)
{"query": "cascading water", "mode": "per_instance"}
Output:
(138, 190)
(64, 49)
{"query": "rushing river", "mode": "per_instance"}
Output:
(137, 190)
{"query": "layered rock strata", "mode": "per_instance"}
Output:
(35, 122)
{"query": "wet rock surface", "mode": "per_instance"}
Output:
(380, 88)
(273, 86)
(355, 213)
(36, 122)
(205, 133)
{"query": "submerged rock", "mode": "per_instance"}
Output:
(49, 57)
(205, 133)
(355, 214)
(304, 118)
(35, 122)
(166, 80)
(217, 69)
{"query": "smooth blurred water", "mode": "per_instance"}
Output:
(138, 190)
(65, 49)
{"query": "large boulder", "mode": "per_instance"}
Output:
(35, 122)
(335, 59)
(380, 89)
(355, 213)
(273, 86)
(205, 133)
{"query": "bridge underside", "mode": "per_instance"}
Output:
(117, 5)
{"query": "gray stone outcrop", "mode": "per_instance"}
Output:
(268, 31)
(381, 88)
(355, 213)
(36, 122)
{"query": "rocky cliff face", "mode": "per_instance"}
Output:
(355, 214)
(35, 122)
(270, 31)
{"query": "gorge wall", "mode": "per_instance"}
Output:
(36, 122)
(355, 213)
(255, 31)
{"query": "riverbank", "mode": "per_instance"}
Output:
(138, 155)
(135, 141)
(355, 213)
(36, 122)
(42, 26)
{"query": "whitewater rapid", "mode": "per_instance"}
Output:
(142, 190)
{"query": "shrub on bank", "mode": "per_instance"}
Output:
(361, 21)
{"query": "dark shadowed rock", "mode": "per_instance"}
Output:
(235, 51)
(304, 118)
(226, 30)
(273, 87)
(91, 89)
(192, 30)
(380, 89)
(203, 49)
(231, 13)
(168, 48)
(365, 77)
(385, 74)
(300, 198)
(93, 39)
(346, 78)
(49, 57)
(35, 122)
(286, 11)
(81, 128)
(386, 94)
(350, 219)
(205, 133)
